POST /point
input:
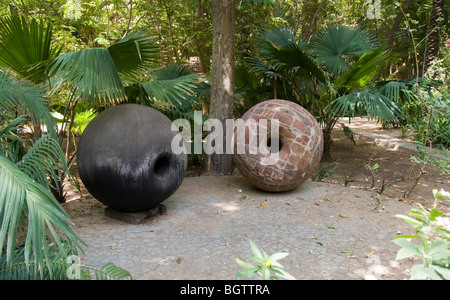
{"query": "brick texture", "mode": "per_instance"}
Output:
(301, 148)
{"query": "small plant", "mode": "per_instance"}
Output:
(372, 170)
(432, 229)
(387, 183)
(348, 178)
(82, 119)
(421, 160)
(265, 265)
(327, 171)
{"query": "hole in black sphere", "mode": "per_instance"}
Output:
(162, 166)
(277, 144)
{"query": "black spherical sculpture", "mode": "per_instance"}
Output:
(125, 159)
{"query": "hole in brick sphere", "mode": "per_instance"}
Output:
(162, 166)
(277, 144)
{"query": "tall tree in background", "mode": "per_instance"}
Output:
(433, 38)
(311, 9)
(222, 78)
(398, 20)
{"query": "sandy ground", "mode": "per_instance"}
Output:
(332, 229)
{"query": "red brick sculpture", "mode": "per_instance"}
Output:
(300, 147)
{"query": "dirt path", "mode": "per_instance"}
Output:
(393, 157)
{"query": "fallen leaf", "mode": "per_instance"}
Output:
(245, 198)
(342, 216)
(369, 254)
(262, 204)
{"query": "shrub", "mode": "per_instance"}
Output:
(432, 229)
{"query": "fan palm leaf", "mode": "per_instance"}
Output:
(282, 52)
(170, 87)
(373, 105)
(296, 59)
(90, 74)
(335, 42)
(134, 55)
(264, 69)
(24, 47)
(19, 196)
(283, 60)
(96, 74)
(278, 37)
(361, 72)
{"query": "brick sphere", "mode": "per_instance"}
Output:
(300, 143)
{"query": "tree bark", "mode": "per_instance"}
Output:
(310, 13)
(222, 78)
(433, 40)
(398, 20)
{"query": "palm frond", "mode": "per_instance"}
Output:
(61, 270)
(281, 53)
(278, 37)
(44, 159)
(394, 89)
(21, 196)
(295, 58)
(170, 87)
(11, 143)
(362, 72)
(335, 42)
(90, 74)
(373, 105)
(264, 69)
(17, 96)
(106, 272)
(25, 47)
(134, 55)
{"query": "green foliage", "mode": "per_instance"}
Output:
(17, 96)
(23, 46)
(326, 171)
(423, 158)
(432, 230)
(265, 264)
(333, 43)
(365, 103)
(82, 120)
(431, 123)
(36, 234)
(170, 88)
(63, 267)
(21, 196)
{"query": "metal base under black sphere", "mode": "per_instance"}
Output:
(125, 159)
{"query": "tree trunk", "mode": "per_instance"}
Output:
(311, 9)
(433, 40)
(222, 78)
(398, 20)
